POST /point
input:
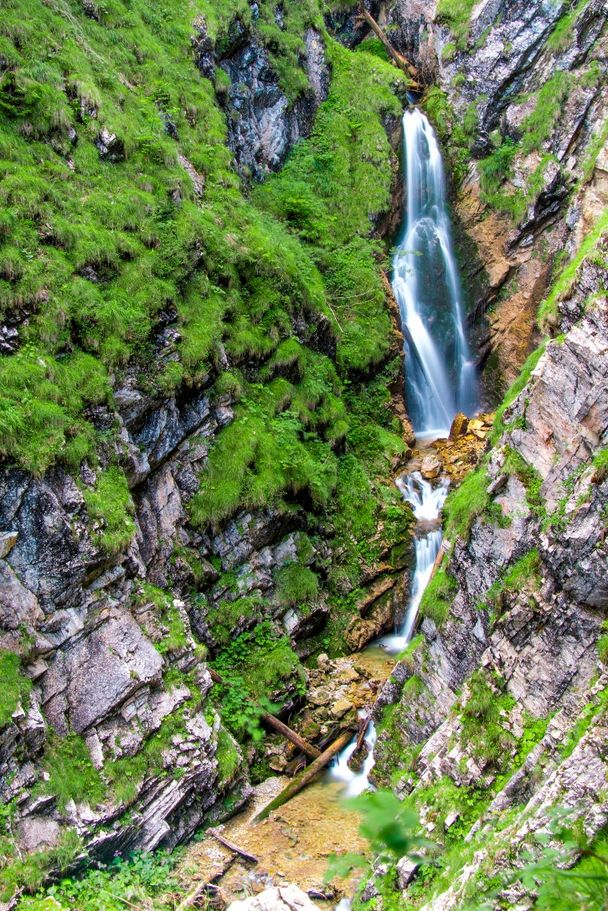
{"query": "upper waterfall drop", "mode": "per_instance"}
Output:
(441, 376)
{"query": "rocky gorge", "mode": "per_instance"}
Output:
(204, 415)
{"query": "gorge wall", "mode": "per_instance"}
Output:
(195, 216)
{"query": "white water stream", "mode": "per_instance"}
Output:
(441, 379)
(440, 375)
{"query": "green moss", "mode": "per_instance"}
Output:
(523, 574)
(40, 407)
(548, 310)
(15, 686)
(227, 757)
(456, 14)
(561, 36)
(598, 704)
(224, 621)
(296, 584)
(482, 731)
(518, 386)
(71, 773)
(126, 775)
(465, 503)
(438, 597)
(174, 637)
(28, 873)
(538, 126)
(600, 466)
(516, 465)
(109, 505)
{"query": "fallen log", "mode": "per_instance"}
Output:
(277, 725)
(401, 61)
(363, 731)
(232, 847)
(298, 784)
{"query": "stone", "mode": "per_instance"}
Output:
(459, 427)
(340, 708)
(8, 540)
(431, 467)
(286, 897)
(406, 871)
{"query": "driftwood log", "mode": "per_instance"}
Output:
(277, 725)
(402, 62)
(298, 784)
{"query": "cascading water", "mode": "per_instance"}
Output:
(356, 782)
(441, 379)
(426, 502)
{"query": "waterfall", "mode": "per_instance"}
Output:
(356, 782)
(441, 377)
(426, 502)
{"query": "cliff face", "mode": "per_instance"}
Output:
(496, 719)
(521, 108)
(195, 471)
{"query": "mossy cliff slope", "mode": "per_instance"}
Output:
(195, 385)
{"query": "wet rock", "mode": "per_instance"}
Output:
(459, 427)
(431, 467)
(286, 897)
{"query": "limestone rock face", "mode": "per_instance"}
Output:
(263, 123)
(530, 598)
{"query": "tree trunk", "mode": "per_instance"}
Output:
(398, 58)
(295, 786)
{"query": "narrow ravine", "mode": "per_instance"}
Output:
(295, 841)
(440, 375)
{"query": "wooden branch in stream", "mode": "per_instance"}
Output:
(401, 61)
(298, 784)
(278, 726)
(363, 731)
(232, 847)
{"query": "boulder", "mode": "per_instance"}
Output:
(282, 898)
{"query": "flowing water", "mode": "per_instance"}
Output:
(293, 845)
(440, 374)
(441, 379)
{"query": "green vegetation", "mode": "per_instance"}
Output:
(597, 705)
(224, 621)
(227, 756)
(518, 386)
(174, 636)
(15, 686)
(547, 313)
(517, 466)
(72, 775)
(29, 872)
(481, 714)
(560, 37)
(438, 596)
(110, 506)
(145, 881)
(550, 98)
(524, 573)
(296, 585)
(255, 667)
(456, 14)
(465, 503)
(127, 774)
